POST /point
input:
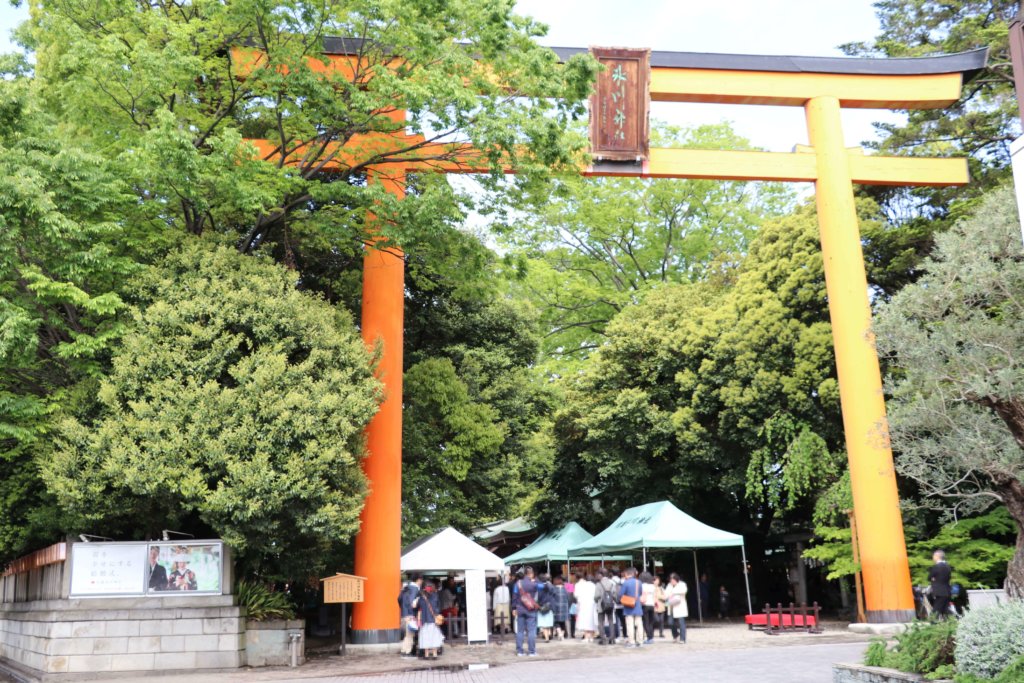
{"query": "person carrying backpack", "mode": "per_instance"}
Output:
(604, 596)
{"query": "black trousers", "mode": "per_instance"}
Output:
(606, 625)
(659, 622)
(940, 606)
(649, 621)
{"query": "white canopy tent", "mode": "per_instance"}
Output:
(449, 551)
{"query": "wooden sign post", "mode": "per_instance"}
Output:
(343, 589)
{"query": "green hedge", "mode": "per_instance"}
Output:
(990, 640)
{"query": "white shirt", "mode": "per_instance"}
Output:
(500, 596)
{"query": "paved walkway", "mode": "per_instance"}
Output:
(719, 654)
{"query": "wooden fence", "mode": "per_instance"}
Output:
(39, 576)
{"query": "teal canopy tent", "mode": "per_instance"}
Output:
(660, 526)
(554, 547)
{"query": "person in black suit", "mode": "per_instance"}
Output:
(939, 578)
(157, 572)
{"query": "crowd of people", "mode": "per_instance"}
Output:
(603, 607)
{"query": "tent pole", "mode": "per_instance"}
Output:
(696, 581)
(746, 579)
(645, 560)
(549, 566)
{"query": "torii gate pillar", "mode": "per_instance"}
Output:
(883, 555)
(379, 542)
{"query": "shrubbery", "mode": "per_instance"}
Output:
(261, 603)
(990, 640)
(924, 648)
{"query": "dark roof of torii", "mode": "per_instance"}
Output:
(967, 63)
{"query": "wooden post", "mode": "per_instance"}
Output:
(856, 576)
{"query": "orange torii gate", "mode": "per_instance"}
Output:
(632, 78)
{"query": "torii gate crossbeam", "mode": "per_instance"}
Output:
(822, 86)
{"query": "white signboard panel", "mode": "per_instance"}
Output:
(476, 606)
(108, 569)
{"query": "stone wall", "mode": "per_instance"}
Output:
(76, 636)
(858, 673)
(268, 643)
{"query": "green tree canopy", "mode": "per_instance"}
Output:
(158, 87)
(596, 245)
(64, 257)
(980, 125)
(721, 400)
(474, 410)
(955, 415)
(235, 406)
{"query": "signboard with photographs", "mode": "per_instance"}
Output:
(194, 567)
(116, 569)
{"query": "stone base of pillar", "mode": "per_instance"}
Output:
(376, 636)
(890, 616)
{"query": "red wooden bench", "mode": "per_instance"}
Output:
(779, 619)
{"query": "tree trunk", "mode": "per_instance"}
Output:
(1012, 492)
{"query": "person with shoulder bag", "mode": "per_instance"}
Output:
(526, 614)
(677, 609)
(429, 614)
(630, 596)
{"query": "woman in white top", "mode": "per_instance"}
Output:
(586, 609)
(677, 609)
(647, 600)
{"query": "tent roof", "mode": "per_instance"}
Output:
(509, 527)
(554, 547)
(656, 525)
(448, 550)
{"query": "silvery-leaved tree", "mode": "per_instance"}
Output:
(956, 342)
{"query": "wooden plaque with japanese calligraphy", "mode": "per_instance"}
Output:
(619, 129)
(343, 588)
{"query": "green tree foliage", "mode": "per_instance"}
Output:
(157, 87)
(955, 413)
(235, 407)
(64, 256)
(984, 121)
(596, 245)
(695, 379)
(474, 413)
(977, 549)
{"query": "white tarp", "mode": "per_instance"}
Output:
(450, 551)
